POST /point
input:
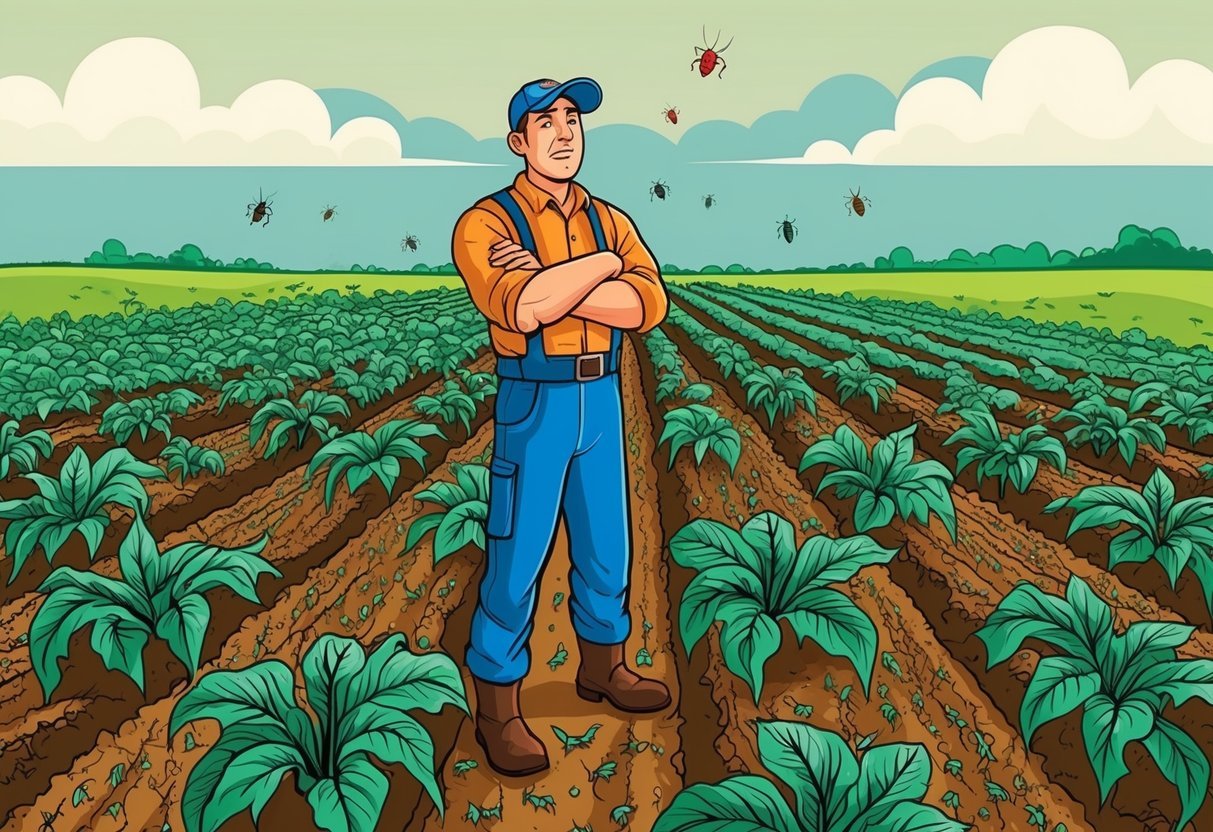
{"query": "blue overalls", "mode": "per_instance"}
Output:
(557, 450)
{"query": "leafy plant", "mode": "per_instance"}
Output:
(1179, 535)
(478, 385)
(1015, 457)
(311, 414)
(253, 388)
(75, 502)
(750, 579)
(963, 392)
(834, 792)
(190, 459)
(1104, 425)
(778, 392)
(464, 510)
(698, 392)
(668, 385)
(361, 456)
(20, 451)
(888, 481)
(160, 594)
(1188, 411)
(855, 377)
(121, 419)
(359, 706)
(701, 427)
(731, 357)
(1121, 681)
(451, 404)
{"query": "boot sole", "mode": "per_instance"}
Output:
(522, 772)
(594, 696)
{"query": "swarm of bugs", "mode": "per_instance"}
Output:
(670, 114)
(260, 210)
(409, 242)
(786, 228)
(709, 200)
(329, 212)
(707, 57)
(659, 190)
(855, 203)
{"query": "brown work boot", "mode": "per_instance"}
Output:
(508, 743)
(603, 674)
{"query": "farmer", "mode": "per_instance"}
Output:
(559, 276)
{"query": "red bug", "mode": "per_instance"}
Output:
(671, 114)
(708, 60)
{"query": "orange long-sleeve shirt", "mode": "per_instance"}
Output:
(495, 291)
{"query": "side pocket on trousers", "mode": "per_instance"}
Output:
(503, 479)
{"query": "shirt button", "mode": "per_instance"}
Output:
(574, 238)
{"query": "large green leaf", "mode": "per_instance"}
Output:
(1107, 727)
(888, 775)
(249, 781)
(816, 765)
(748, 638)
(1180, 679)
(707, 591)
(206, 773)
(1183, 763)
(183, 626)
(838, 626)
(915, 817)
(119, 638)
(261, 694)
(1060, 685)
(353, 801)
(773, 539)
(703, 543)
(460, 526)
(1027, 612)
(743, 803)
(393, 737)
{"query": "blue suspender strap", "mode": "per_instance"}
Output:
(535, 365)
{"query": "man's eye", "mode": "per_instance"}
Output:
(545, 124)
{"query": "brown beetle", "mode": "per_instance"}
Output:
(260, 210)
(855, 201)
(329, 213)
(410, 242)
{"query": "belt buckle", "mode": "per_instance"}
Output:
(596, 360)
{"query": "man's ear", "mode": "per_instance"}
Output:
(517, 143)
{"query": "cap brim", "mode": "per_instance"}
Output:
(583, 92)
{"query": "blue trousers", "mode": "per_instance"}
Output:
(557, 451)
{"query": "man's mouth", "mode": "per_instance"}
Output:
(563, 154)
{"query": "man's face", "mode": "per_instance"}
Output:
(552, 141)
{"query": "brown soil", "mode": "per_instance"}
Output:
(290, 501)
(957, 586)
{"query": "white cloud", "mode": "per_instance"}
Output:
(136, 101)
(1054, 96)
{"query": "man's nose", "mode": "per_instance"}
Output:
(563, 132)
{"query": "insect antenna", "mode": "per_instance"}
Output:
(716, 41)
(726, 46)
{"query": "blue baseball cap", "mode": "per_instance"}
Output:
(537, 96)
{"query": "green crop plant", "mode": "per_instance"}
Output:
(358, 710)
(779, 392)
(855, 377)
(1179, 535)
(663, 352)
(833, 790)
(886, 482)
(121, 419)
(253, 388)
(1015, 457)
(478, 385)
(963, 392)
(464, 510)
(669, 384)
(177, 402)
(731, 357)
(1188, 411)
(360, 456)
(451, 404)
(701, 427)
(190, 460)
(63, 398)
(697, 392)
(749, 580)
(1121, 681)
(21, 451)
(1104, 426)
(157, 594)
(309, 416)
(74, 502)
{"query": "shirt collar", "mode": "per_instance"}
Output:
(538, 199)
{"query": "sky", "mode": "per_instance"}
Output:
(1024, 122)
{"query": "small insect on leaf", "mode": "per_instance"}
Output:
(114, 809)
(115, 777)
(542, 802)
(890, 664)
(622, 815)
(559, 658)
(462, 767)
(557, 600)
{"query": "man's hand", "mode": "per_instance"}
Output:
(508, 255)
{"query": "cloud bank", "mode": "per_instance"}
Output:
(136, 101)
(1054, 96)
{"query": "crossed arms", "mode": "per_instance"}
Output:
(619, 288)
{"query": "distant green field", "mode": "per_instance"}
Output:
(1174, 304)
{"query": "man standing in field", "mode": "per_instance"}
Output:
(559, 276)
